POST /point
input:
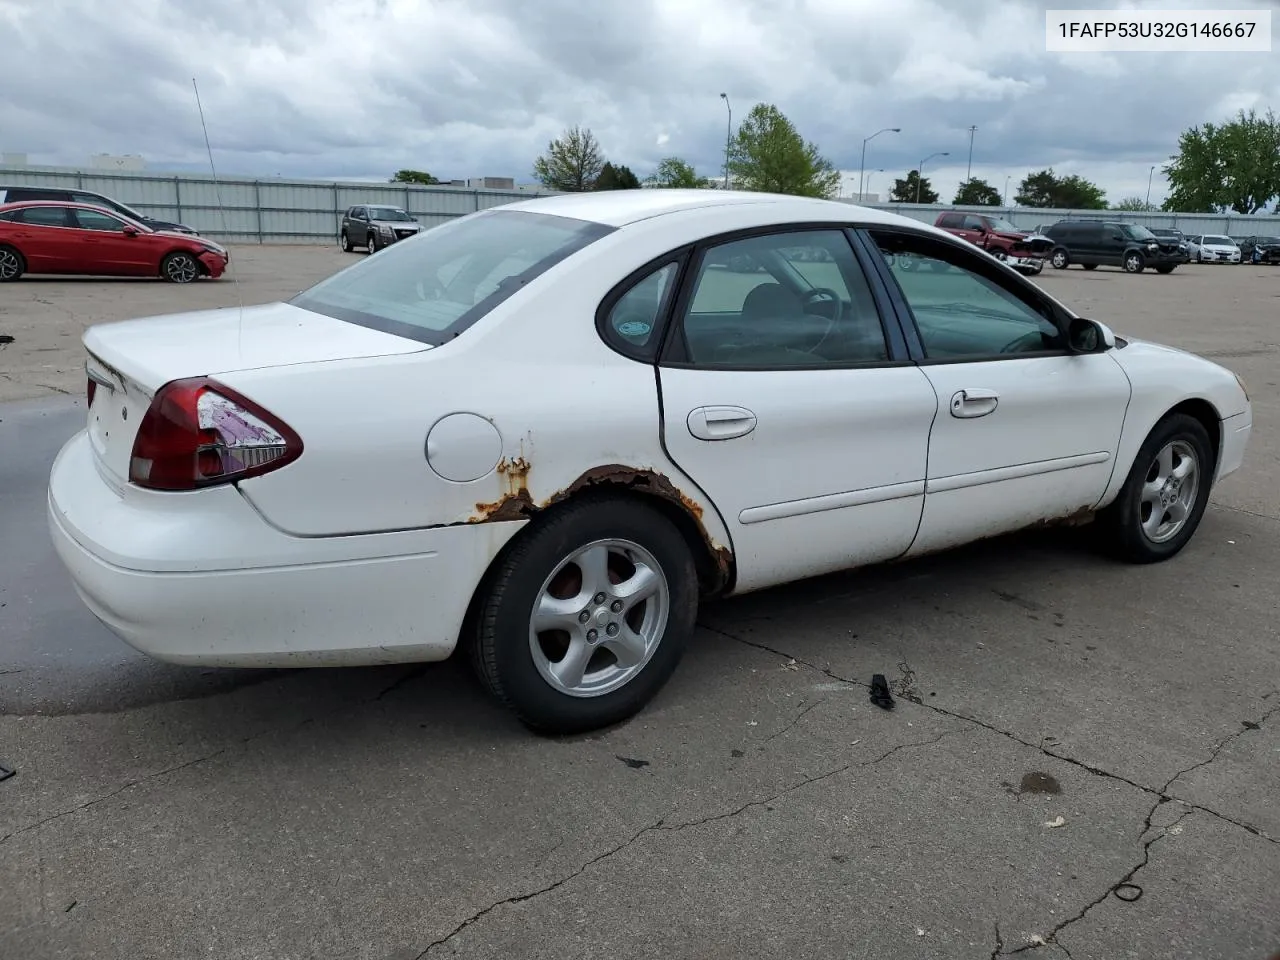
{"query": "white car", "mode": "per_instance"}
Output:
(543, 431)
(1210, 248)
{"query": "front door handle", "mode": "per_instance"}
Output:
(973, 402)
(721, 422)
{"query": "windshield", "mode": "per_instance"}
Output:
(1170, 234)
(1218, 241)
(435, 285)
(1003, 226)
(1137, 232)
(388, 213)
(1268, 240)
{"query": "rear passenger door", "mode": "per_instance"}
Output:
(46, 239)
(792, 406)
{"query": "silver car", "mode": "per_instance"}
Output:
(375, 226)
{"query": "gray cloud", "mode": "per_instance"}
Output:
(363, 87)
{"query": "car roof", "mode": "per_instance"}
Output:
(617, 208)
(23, 204)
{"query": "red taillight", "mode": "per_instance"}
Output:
(90, 389)
(197, 433)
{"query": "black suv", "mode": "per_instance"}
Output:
(1095, 243)
(62, 195)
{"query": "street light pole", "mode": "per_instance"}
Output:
(880, 170)
(968, 173)
(728, 138)
(1006, 191)
(1150, 173)
(920, 170)
(862, 164)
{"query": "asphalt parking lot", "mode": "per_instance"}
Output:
(1083, 761)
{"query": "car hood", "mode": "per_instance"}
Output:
(154, 350)
(399, 224)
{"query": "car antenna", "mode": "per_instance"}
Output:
(222, 212)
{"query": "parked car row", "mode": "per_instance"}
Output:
(1093, 243)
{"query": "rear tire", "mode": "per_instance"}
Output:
(180, 267)
(12, 264)
(1164, 497)
(604, 547)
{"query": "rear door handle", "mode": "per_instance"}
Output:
(973, 402)
(721, 422)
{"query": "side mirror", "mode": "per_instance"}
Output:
(1088, 336)
(130, 231)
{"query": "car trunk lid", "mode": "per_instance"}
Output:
(127, 362)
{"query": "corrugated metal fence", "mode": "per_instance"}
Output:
(238, 210)
(309, 211)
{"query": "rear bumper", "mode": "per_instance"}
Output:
(201, 578)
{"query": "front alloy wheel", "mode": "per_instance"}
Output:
(1134, 263)
(1164, 497)
(180, 268)
(1059, 260)
(586, 615)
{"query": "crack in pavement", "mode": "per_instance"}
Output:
(1161, 793)
(212, 755)
(661, 826)
(999, 944)
(1052, 938)
(798, 717)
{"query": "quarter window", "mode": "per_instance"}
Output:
(633, 319)
(962, 308)
(782, 300)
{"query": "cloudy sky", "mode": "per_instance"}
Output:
(360, 88)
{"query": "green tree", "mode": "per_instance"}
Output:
(676, 173)
(768, 154)
(616, 178)
(977, 193)
(908, 189)
(414, 176)
(1044, 188)
(1133, 203)
(1235, 165)
(572, 163)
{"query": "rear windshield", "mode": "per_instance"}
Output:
(433, 286)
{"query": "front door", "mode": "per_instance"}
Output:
(1026, 431)
(783, 399)
(106, 249)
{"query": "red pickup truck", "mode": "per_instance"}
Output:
(1024, 251)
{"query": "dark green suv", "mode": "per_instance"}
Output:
(1111, 243)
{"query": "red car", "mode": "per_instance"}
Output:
(42, 236)
(1023, 251)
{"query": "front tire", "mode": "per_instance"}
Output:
(345, 242)
(1134, 262)
(1165, 268)
(1165, 495)
(180, 267)
(1060, 259)
(372, 242)
(12, 264)
(586, 617)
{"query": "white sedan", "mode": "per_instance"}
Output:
(542, 432)
(1214, 249)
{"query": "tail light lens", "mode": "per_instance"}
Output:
(198, 433)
